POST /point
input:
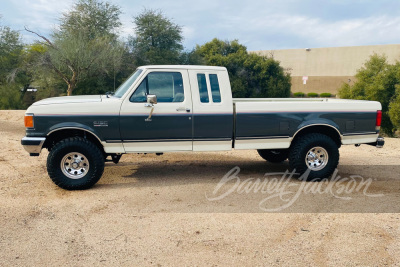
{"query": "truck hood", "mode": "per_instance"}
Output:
(68, 99)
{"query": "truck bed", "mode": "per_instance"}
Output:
(273, 122)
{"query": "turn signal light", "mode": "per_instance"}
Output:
(28, 121)
(378, 118)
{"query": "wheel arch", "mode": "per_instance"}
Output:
(59, 134)
(326, 129)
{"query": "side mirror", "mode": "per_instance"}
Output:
(151, 99)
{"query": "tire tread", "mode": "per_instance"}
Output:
(297, 160)
(96, 167)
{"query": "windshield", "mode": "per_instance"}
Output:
(127, 84)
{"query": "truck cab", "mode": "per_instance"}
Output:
(191, 102)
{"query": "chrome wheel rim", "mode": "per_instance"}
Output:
(317, 158)
(74, 165)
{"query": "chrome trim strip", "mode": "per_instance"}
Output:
(156, 140)
(262, 137)
(169, 140)
(211, 139)
(363, 133)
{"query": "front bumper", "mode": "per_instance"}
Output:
(33, 145)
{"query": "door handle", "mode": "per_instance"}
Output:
(183, 109)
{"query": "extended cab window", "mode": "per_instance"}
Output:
(201, 80)
(167, 86)
(216, 94)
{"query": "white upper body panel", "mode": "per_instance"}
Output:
(264, 105)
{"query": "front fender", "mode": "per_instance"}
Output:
(73, 125)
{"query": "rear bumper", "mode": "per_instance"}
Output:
(33, 145)
(380, 142)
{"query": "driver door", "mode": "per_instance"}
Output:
(170, 126)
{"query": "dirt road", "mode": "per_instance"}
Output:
(176, 210)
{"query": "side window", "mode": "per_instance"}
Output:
(141, 92)
(216, 94)
(201, 80)
(167, 86)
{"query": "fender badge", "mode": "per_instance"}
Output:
(100, 123)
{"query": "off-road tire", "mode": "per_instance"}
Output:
(93, 156)
(301, 148)
(274, 155)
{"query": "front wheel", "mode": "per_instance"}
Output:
(316, 153)
(75, 164)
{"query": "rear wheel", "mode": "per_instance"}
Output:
(75, 163)
(274, 155)
(316, 153)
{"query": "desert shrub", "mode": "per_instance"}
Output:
(379, 81)
(325, 95)
(10, 97)
(394, 109)
(312, 94)
(298, 94)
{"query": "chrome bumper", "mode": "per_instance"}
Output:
(33, 145)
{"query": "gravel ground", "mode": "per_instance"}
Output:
(169, 210)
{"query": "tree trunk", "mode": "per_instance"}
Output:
(71, 84)
(69, 90)
(71, 87)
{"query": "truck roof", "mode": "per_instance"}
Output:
(189, 67)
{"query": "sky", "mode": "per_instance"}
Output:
(258, 24)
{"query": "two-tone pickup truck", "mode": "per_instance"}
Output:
(190, 108)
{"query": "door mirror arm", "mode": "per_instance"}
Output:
(151, 101)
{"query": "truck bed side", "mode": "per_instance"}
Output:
(273, 123)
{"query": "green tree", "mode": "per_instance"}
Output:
(47, 83)
(191, 58)
(157, 41)
(11, 53)
(394, 109)
(10, 96)
(251, 75)
(11, 49)
(97, 19)
(86, 43)
(377, 80)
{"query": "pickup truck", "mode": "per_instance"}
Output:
(190, 108)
